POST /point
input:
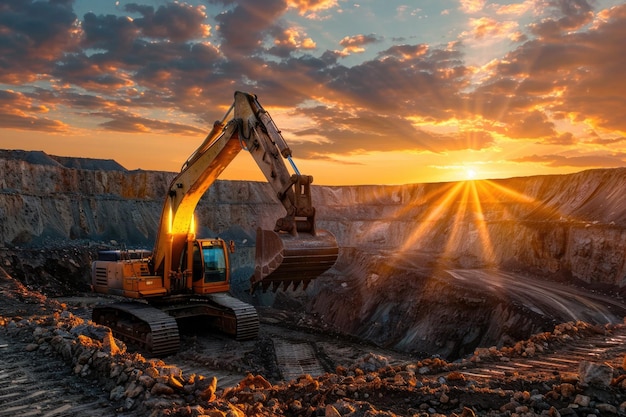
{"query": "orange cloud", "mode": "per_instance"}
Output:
(355, 44)
(486, 27)
(472, 6)
(311, 6)
(292, 38)
(17, 111)
(586, 161)
(516, 9)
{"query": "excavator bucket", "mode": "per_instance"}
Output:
(284, 259)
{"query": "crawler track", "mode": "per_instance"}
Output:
(154, 328)
(141, 324)
(245, 315)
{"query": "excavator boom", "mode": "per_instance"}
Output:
(189, 277)
(294, 252)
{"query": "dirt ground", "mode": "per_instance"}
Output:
(299, 366)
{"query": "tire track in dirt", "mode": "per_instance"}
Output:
(35, 384)
(280, 354)
(296, 358)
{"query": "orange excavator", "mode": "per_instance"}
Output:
(185, 276)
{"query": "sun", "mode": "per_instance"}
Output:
(470, 174)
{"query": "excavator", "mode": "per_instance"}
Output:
(187, 276)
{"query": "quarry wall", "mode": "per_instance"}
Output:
(572, 225)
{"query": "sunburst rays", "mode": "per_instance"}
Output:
(455, 221)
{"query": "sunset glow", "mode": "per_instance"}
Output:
(453, 216)
(367, 93)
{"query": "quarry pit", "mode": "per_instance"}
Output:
(433, 281)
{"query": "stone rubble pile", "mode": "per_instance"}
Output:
(353, 392)
(370, 387)
(132, 381)
(541, 342)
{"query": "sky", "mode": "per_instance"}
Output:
(364, 92)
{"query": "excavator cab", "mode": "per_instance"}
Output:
(215, 262)
(210, 272)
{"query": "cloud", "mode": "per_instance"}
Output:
(405, 52)
(243, 28)
(571, 15)
(421, 83)
(533, 125)
(312, 7)
(586, 161)
(607, 141)
(564, 139)
(32, 36)
(17, 111)
(109, 33)
(174, 21)
(129, 123)
(289, 40)
(486, 27)
(471, 6)
(516, 9)
(404, 11)
(177, 22)
(356, 43)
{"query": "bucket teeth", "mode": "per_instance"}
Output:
(284, 259)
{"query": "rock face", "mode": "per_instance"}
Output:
(571, 224)
(574, 224)
(570, 227)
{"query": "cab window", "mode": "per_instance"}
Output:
(214, 264)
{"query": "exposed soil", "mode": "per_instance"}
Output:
(416, 303)
(302, 365)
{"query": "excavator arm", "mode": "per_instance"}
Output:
(294, 252)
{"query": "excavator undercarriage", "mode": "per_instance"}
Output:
(154, 328)
(141, 325)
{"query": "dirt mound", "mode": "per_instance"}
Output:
(52, 270)
(420, 303)
(32, 157)
(134, 385)
(42, 158)
(18, 300)
(90, 164)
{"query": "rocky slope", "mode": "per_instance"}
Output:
(398, 244)
(573, 224)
